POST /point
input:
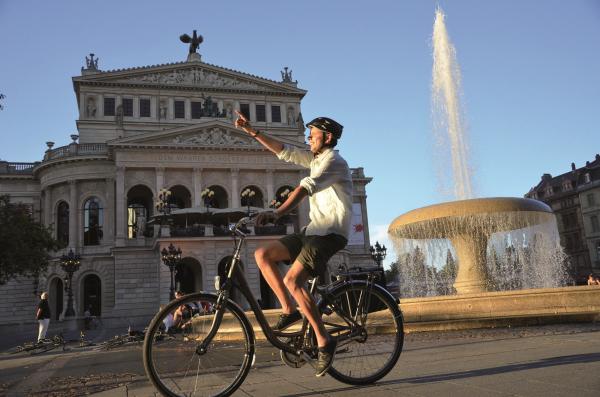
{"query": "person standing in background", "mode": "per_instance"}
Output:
(43, 316)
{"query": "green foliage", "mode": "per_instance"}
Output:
(2, 96)
(24, 243)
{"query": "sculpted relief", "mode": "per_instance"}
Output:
(215, 137)
(195, 76)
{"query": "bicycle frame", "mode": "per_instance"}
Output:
(235, 279)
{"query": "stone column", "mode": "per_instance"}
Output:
(100, 106)
(235, 187)
(270, 188)
(197, 180)
(48, 209)
(160, 179)
(253, 111)
(121, 220)
(170, 109)
(109, 210)
(268, 111)
(73, 215)
(82, 106)
(187, 109)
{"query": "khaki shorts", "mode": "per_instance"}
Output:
(313, 252)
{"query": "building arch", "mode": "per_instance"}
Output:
(189, 276)
(222, 270)
(91, 294)
(180, 197)
(281, 195)
(220, 199)
(56, 297)
(255, 200)
(139, 209)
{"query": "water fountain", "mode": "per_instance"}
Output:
(476, 231)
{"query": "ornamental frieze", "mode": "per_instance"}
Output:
(195, 76)
(215, 137)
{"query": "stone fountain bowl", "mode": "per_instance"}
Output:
(468, 225)
(481, 216)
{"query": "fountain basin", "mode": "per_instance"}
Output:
(468, 225)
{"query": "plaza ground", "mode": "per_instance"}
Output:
(554, 360)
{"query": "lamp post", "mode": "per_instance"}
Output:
(70, 264)
(171, 258)
(207, 196)
(248, 194)
(162, 205)
(378, 253)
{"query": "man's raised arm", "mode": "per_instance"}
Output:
(270, 143)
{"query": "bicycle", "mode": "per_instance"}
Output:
(132, 337)
(41, 346)
(213, 354)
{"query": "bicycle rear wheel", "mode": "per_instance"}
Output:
(173, 363)
(370, 330)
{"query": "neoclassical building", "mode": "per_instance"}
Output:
(144, 129)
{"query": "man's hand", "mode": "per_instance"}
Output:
(266, 217)
(243, 123)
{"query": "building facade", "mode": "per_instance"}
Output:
(149, 128)
(574, 197)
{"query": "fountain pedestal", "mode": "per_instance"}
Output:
(472, 276)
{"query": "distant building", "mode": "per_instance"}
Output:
(143, 129)
(575, 199)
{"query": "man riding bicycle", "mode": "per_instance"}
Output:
(329, 187)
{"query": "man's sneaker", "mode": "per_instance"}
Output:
(326, 355)
(285, 320)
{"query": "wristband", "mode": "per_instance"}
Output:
(257, 134)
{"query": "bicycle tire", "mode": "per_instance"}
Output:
(42, 348)
(368, 357)
(176, 369)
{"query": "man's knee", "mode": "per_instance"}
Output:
(262, 256)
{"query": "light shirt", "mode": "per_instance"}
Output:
(329, 187)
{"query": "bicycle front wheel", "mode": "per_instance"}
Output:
(175, 364)
(370, 331)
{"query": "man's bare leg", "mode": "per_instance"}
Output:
(294, 280)
(266, 259)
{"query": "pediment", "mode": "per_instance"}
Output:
(190, 74)
(210, 135)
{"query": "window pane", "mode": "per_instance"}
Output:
(128, 107)
(144, 107)
(179, 109)
(276, 114)
(261, 113)
(196, 110)
(109, 106)
(92, 222)
(245, 110)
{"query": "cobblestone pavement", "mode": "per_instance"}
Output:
(544, 361)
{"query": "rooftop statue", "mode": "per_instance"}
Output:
(194, 41)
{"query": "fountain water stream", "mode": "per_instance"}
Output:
(471, 245)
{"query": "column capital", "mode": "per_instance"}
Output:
(198, 169)
(72, 182)
(235, 171)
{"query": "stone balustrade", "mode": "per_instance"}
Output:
(17, 168)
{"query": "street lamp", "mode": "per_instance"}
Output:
(248, 194)
(162, 205)
(70, 264)
(171, 258)
(378, 253)
(207, 195)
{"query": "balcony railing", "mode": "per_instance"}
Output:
(76, 149)
(220, 231)
(17, 168)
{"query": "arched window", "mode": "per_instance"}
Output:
(180, 197)
(218, 199)
(92, 294)
(139, 205)
(281, 195)
(93, 220)
(252, 196)
(62, 222)
(223, 270)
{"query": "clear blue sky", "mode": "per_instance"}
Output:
(530, 71)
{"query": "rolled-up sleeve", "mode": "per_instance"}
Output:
(296, 156)
(327, 175)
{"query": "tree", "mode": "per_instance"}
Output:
(24, 243)
(2, 96)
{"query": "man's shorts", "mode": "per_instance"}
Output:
(313, 252)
